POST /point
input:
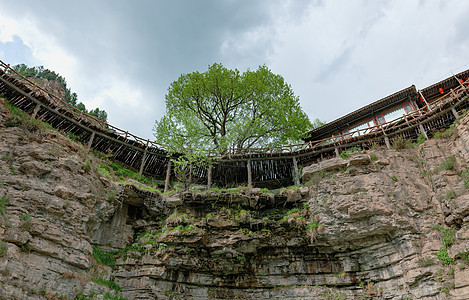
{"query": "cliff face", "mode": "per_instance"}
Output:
(388, 224)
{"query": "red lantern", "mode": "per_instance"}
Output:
(421, 99)
(441, 90)
(460, 80)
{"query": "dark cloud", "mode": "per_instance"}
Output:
(348, 53)
(150, 43)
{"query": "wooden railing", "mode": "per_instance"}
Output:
(145, 149)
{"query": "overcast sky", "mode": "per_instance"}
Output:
(337, 55)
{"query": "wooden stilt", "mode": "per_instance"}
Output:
(424, 100)
(455, 113)
(36, 110)
(142, 164)
(296, 178)
(386, 140)
(190, 174)
(422, 131)
(209, 176)
(168, 176)
(249, 174)
(90, 141)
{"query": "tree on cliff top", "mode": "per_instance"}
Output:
(70, 98)
(224, 110)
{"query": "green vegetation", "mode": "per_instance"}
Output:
(426, 262)
(464, 256)
(444, 257)
(87, 165)
(92, 296)
(103, 257)
(312, 225)
(3, 248)
(401, 143)
(465, 177)
(394, 178)
(25, 222)
(265, 191)
(420, 140)
(241, 258)
(21, 119)
(109, 283)
(373, 157)
(223, 110)
(448, 234)
(112, 195)
(26, 247)
(107, 169)
(449, 132)
(346, 154)
(450, 194)
(70, 98)
(448, 164)
(4, 202)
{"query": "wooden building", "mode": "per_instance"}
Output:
(369, 118)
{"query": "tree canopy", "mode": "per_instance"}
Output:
(70, 97)
(223, 110)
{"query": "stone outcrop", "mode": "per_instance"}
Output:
(387, 224)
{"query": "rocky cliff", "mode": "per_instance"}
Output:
(387, 224)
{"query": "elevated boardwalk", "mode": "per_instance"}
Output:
(265, 167)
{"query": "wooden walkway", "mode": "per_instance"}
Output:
(265, 167)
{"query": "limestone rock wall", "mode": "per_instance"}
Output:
(376, 225)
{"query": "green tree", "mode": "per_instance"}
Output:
(70, 97)
(223, 110)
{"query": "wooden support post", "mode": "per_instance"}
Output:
(168, 176)
(455, 113)
(296, 178)
(209, 176)
(422, 131)
(460, 83)
(386, 140)
(36, 110)
(337, 154)
(190, 174)
(424, 100)
(142, 164)
(249, 174)
(90, 141)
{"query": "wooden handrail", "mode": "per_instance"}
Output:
(290, 149)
